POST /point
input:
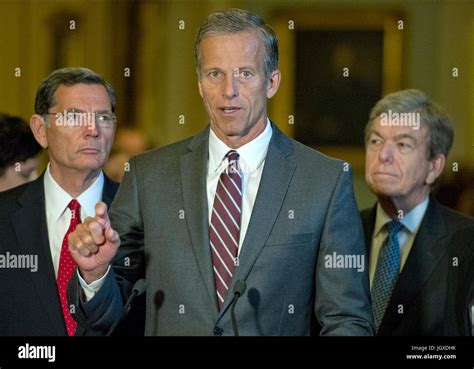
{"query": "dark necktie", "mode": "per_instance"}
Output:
(386, 273)
(224, 230)
(67, 266)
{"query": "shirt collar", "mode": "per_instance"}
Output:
(252, 154)
(57, 199)
(410, 221)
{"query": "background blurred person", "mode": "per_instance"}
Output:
(19, 152)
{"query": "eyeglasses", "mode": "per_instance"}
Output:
(78, 118)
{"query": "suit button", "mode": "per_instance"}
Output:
(218, 331)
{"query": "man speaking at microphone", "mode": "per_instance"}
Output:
(238, 203)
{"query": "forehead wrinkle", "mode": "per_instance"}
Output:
(247, 50)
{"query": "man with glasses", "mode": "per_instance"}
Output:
(74, 120)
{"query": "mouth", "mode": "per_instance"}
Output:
(229, 109)
(90, 150)
(385, 174)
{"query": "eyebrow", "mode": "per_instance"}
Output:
(397, 137)
(405, 135)
(100, 111)
(245, 67)
(103, 111)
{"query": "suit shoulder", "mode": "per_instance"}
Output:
(454, 219)
(313, 158)
(9, 198)
(168, 152)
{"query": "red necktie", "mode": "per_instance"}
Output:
(67, 266)
(224, 230)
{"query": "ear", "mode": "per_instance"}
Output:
(200, 88)
(436, 167)
(38, 127)
(273, 83)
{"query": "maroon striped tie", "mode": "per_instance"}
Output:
(224, 231)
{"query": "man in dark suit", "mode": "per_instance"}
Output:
(237, 204)
(460, 299)
(408, 233)
(74, 119)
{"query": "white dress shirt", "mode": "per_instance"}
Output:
(58, 215)
(251, 161)
(411, 223)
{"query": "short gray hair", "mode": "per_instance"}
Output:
(440, 132)
(68, 77)
(233, 21)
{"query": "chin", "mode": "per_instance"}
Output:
(386, 191)
(92, 165)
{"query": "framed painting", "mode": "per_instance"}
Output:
(335, 66)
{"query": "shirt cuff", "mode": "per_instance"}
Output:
(91, 289)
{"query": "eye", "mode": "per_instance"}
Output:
(214, 74)
(104, 117)
(375, 141)
(404, 145)
(246, 74)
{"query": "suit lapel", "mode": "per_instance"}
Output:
(424, 256)
(277, 173)
(29, 223)
(368, 223)
(108, 193)
(194, 187)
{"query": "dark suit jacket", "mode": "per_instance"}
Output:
(30, 305)
(416, 306)
(304, 211)
(461, 284)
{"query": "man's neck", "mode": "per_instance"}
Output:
(72, 181)
(235, 142)
(396, 207)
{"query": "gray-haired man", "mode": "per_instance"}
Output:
(239, 203)
(408, 232)
(74, 120)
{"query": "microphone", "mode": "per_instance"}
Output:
(239, 289)
(138, 288)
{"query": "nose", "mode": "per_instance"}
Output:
(386, 152)
(230, 88)
(91, 126)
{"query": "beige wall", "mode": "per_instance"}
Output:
(145, 35)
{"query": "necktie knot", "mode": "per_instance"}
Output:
(394, 227)
(232, 156)
(75, 208)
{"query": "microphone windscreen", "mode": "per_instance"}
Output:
(139, 287)
(240, 287)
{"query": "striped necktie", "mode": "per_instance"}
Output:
(224, 230)
(386, 273)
